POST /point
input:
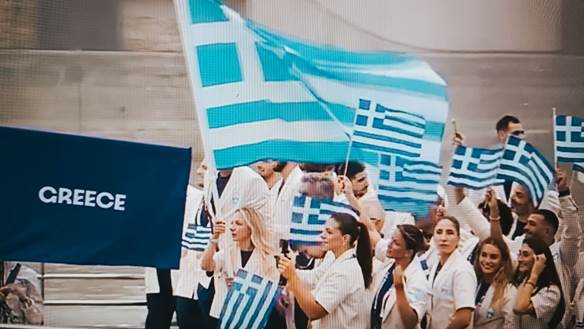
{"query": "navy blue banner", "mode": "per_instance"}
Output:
(83, 200)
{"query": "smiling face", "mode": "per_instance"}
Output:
(240, 231)
(332, 237)
(520, 202)
(490, 259)
(535, 227)
(446, 236)
(525, 259)
(397, 249)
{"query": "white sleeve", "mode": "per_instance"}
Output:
(381, 250)
(465, 284)
(219, 260)
(335, 290)
(418, 290)
(545, 302)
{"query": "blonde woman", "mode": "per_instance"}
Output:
(495, 293)
(252, 252)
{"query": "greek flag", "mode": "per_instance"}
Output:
(197, 235)
(407, 185)
(578, 167)
(289, 100)
(524, 164)
(249, 302)
(569, 138)
(309, 217)
(475, 168)
(388, 131)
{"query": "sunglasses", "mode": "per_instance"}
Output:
(518, 133)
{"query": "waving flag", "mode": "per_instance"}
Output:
(309, 217)
(524, 164)
(569, 138)
(249, 302)
(388, 131)
(475, 168)
(407, 185)
(285, 99)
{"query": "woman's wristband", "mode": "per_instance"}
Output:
(498, 218)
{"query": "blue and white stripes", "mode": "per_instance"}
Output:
(309, 216)
(569, 138)
(260, 95)
(407, 185)
(523, 163)
(578, 167)
(249, 302)
(388, 131)
(475, 168)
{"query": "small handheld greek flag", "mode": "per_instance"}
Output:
(569, 138)
(309, 217)
(407, 185)
(524, 164)
(197, 235)
(249, 302)
(387, 130)
(475, 168)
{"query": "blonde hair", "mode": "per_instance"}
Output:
(259, 238)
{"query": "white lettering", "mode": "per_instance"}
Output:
(51, 199)
(78, 197)
(100, 200)
(90, 198)
(65, 195)
(120, 202)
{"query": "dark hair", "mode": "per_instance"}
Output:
(280, 166)
(549, 276)
(549, 217)
(413, 237)
(317, 186)
(353, 168)
(358, 232)
(504, 122)
(453, 220)
(504, 212)
(316, 167)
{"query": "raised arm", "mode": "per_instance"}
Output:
(569, 221)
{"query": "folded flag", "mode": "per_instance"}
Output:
(407, 185)
(475, 168)
(523, 163)
(289, 100)
(309, 217)
(197, 235)
(569, 138)
(249, 302)
(388, 131)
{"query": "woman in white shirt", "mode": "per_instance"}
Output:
(332, 295)
(251, 252)
(452, 279)
(495, 293)
(400, 300)
(540, 302)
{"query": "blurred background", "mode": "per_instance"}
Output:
(115, 68)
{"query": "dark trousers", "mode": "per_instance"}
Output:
(161, 305)
(205, 300)
(188, 313)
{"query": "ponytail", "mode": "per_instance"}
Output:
(364, 253)
(359, 233)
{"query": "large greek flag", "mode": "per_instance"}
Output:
(387, 130)
(309, 216)
(249, 302)
(407, 185)
(475, 168)
(569, 138)
(260, 95)
(524, 164)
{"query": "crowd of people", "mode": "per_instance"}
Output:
(479, 259)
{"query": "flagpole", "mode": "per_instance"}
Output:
(555, 139)
(350, 143)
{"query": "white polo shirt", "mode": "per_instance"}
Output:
(340, 290)
(452, 288)
(544, 303)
